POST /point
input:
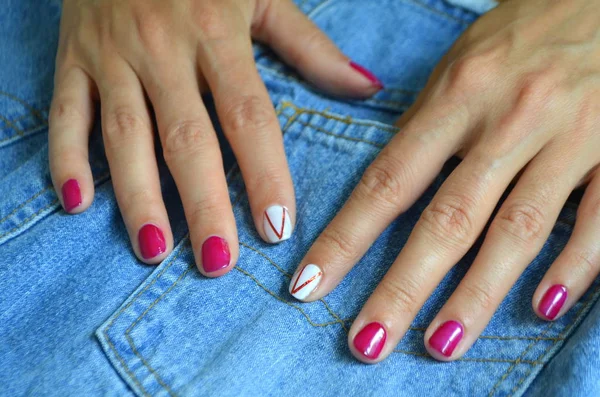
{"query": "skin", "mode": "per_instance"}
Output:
(518, 98)
(138, 54)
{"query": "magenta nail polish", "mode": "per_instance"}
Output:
(152, 241)
(71, 194)
(370, 340)
(215, 254)
(367, 73)
(553, 301)
(446, 337)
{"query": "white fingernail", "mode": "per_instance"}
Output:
(305, 282)
(277, 224)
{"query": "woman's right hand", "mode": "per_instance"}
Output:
(171, 51)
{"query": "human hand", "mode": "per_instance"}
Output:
(517, 97)
(171, 51)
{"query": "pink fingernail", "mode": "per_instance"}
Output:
(446, 337)
(370, 340)
(367, 73)
(152, 241)
(215, 254)
(553, 301)
(71, 194)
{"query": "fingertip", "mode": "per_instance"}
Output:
(552, 303)
(442, 341)
(216, 257)
(152, 245)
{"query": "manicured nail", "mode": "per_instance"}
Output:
(152, 241)
(553, 301)
(446, 337)
(305, 282)
(71, 194)
(370, 340)
(367, 73)
(277, 224)
(215, 254)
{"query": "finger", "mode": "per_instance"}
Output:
(282, 26)
(251, 126)
(191, 151)
(515, 237)
(394, 181)
(579, 263)
(129, 145)
(71, 117)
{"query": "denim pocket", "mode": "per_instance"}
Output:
(242, 334)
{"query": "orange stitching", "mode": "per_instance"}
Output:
(27, 133)
(584, 306)
(38, 194)
(31, 109)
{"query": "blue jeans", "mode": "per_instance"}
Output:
(80, 315)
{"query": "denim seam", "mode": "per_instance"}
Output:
(24, 134)
(132, 375)
(33, 216)
(347, 120)
(566, 330)
(32, 111)
(293, 79)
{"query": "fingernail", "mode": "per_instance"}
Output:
(215, 254)
(553, 301)
(446, 337)
(367, 73)
(277, 224)
(152, 241)
(370, 340)
(71, 194)
(305, 282)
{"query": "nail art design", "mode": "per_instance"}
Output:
(446, 337)
(71, 194)
(553, 301)
(277, 225)
(367, 73)
(215, 254)
(152, 241)
(370, 340)
(305, 281)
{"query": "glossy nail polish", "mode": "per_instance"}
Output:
(215, 254)
(367, 73)
(277, 224)
(152, 241)
(305, 281)
(446, 337)
(553, 301)
(71, 194)
(370, 340)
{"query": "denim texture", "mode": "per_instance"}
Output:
(80, 315)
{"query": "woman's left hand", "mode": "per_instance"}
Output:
(518, 98)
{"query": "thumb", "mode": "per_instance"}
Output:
(282, 26)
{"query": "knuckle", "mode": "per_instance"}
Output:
(184, 138)
(65, 111)
(122, 125)
(205, 210)
(340, 244)
(247, 113)
(212, 24)
(470, 72)
(522, 220)
(590, 211)
(450, 219)
(401, 295)
(133, 201)
(587, 263)
(152, 30)
(480, 294)
(382, 181)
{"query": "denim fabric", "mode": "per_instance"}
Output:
(79, 315)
